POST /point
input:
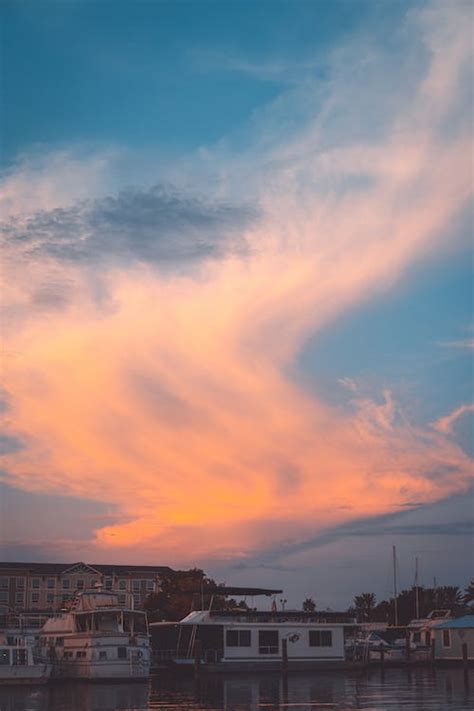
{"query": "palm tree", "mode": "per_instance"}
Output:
(309, 605)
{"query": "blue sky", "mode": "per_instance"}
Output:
(239, 246)
(167, 76)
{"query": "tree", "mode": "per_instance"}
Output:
(182, 591)
(309, 605)
(364, 605)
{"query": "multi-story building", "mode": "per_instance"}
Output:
(46, 587)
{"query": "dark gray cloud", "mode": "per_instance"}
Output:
(451, 518)
(157, 225)
(10, 445)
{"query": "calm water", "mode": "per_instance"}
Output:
(440, 690)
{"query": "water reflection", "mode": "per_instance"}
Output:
(395, 690)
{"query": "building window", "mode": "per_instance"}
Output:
(50, 598)
(51, 583)
(136, 585)
(150, 585)
(66, 584)
(121, 652)
(122, 584)
(80, 585)
(35, 598)
(446, 638)
(102, 655)
(238, 638)
(108, 583)
(80, 655)
(35, 583)
(268, 642)
(67, 655)
(320, 638)
(3, 597)
(122, 598)
(3, 583)
(20, 583)
(59, 641)
(92, 582)
(417, 637)
(136, 600)
(20, 598)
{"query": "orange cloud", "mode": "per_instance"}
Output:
(171, 398)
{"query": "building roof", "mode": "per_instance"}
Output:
(58, 568)
(457, 623)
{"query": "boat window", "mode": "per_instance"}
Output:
(68, 655)
(417, 637)
(446, 638)
(238, 638)
(320, 638)
(268, 642)
(122, 652)
(4, 656)
(19, 657)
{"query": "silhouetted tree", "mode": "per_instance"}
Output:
(364, 605)
(309, 605)
(184, 590)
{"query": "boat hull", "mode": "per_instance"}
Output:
(116, 670)
(25, 674)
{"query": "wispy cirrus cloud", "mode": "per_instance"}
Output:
(445, 424)
(168, 394)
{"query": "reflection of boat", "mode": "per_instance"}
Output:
(252, 640)
(97, 639)
(19, 663)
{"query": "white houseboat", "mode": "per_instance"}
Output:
(97, 639)
(249, 640)
(19, 663)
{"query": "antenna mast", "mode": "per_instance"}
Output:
(417, 594)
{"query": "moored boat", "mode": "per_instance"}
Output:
(19, 662)
(97, 639)
(252, 640)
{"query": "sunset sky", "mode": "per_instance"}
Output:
(237, 289)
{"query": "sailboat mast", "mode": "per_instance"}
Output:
(395, 592)
(417, 594)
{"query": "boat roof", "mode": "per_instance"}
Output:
(466, 622)
(220, 617)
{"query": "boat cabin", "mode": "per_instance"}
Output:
(246, 638)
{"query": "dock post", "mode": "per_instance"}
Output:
(465, 660)
(197, 657)
(407, 648)
(284, 656)
(433, 650)
(382, 657)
